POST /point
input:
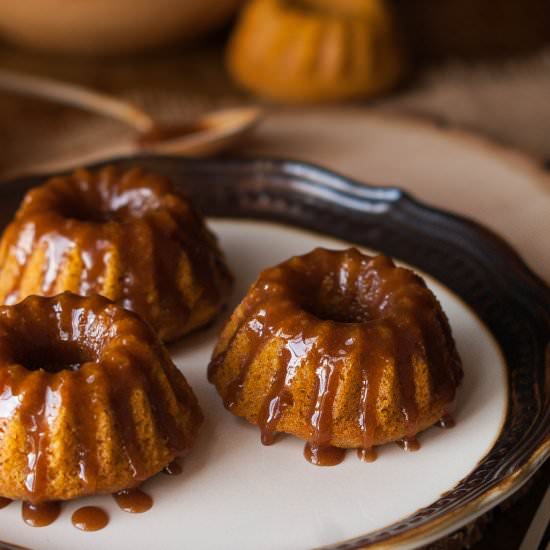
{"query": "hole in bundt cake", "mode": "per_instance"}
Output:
(53, 357)
(85, 212)
(119, 205)
(53, 334)
(329, 300)
(331, 289)
(336, 309)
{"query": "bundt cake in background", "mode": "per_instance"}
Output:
(315, 50)
(90, 401)
(340, 349)
(124, 234)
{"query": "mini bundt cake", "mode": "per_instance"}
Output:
(90, 401)
(340, 349)
(315, 50)
(126, 235)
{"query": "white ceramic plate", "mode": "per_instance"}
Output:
(235, 493)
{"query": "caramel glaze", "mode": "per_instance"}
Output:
(409, 444)
(173, 469)
(90, 518)
(446, 422)
(137, 217)
(134, 501)
(5, 502)
(324, 455)
(85, 344)
(367, 455)
(325, 306)
(40, 515)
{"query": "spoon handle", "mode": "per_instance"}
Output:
(77, 96)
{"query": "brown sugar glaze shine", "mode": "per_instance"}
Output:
(41, 514)
(134, 501)
(60, 387)
(90, 518)
(5, 502)
(446, 421)
(363, 309)
(175, 468)
(34, 394)
(367, 455)
(90, 219)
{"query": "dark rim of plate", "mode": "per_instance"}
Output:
(469, 259)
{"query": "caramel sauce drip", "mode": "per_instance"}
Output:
(90, 518)
(367, 455)
(134, 501)
(325, 308)
(325, 455)
(36, 399)
(5, 502)
(279, 397)
(409, 444)
(40, 515)
(54, 333)
(173, 469)
(446, 422)
(77, 388)
(134, 215)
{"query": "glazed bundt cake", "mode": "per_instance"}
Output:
(124, 234)
(315, 50)
(340, 349)
(90, 401)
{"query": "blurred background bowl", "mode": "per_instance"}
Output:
(108, 26)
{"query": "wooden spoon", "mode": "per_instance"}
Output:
(207, 135)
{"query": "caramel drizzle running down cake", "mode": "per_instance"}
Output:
(340, 349)
(127, 235)
(90, 401)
